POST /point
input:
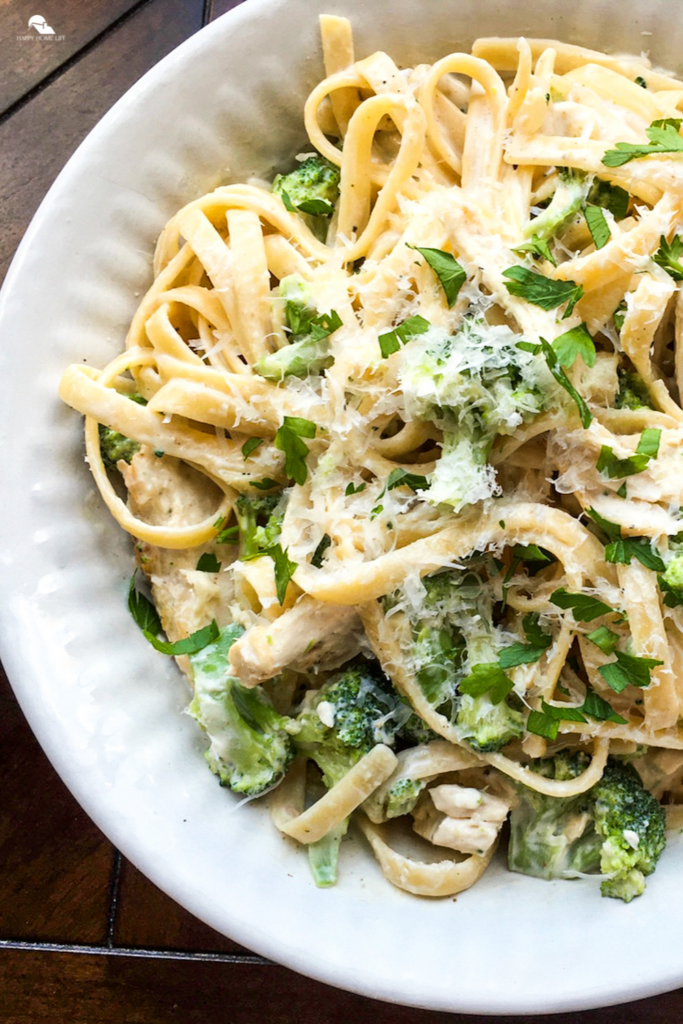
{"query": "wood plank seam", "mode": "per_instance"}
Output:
(114, 892)
(141, 952)
(207, 13)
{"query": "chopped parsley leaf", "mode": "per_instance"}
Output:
(543, 291)
(449, 272)
(664, 137)
(250, 446)
(288, 440)
(597, 225)
(208, 563)
(584, 607)
(402, 333)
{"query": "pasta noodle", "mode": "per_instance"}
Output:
(401, 437)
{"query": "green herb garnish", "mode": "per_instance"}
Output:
(664, 138)
(147, 618)
(604, 639)
(667, 256)
(597, 225)
(250, 446)
(542, 291)
(536, 247)
(647, 449)
(519, 653)
(487, 678)
(319, 553)
(284, 570)
(288, 440)
(449, 272)
(208, 563)
(621, 550)
(584, 607)
(573, 343)
(628, 670)
(402, 333)
(609, 197)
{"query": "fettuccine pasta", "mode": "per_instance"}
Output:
(401, 436)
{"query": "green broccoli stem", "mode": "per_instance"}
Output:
(462, 474)
(481, 645)
(323, 856)
(403, 796)
(569, 197)
(299, 359)
(335, 760)
(255, 538)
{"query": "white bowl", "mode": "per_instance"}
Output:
(108, 709)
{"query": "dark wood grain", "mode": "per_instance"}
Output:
(39, 138)
(56, 866)
(148, 918)
(99, 990)
(25, 62)
(219, 7)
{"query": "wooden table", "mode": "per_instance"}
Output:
(86, 937)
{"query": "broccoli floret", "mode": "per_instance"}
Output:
(671, 583)
(633, 393)
(616, 828)
(115, 446)
(260, 521)
(365, 710)
(462, 475)
(439, 660)
(251, 746)
(487, 726)
(567, 200)
(415, 731)
(312, 188)
(308, 351)
(474, 385)
(631, 824)
(674, 574)
(403, 796)
(565, 765)
(453, 633)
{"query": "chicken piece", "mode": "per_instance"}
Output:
(463, 801)
(460, 817)
(599, 383)
(309, 633)
(164, 490)
(662, 772)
